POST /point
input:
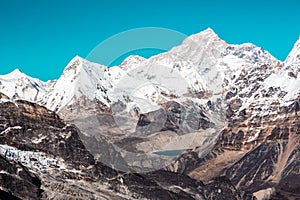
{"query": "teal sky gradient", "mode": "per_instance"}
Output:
(41, 36)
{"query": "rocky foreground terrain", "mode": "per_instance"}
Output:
(230, 114)
(44, 158)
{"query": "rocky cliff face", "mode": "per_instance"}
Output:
(44, 158)
(17, 181)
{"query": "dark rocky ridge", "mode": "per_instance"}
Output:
(18, 182)
(32, 128)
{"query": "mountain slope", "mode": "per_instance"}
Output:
(81, 79)
(41, 157)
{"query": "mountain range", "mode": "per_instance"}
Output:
(205, 120)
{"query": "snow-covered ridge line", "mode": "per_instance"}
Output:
(202, 57)
(17, 85)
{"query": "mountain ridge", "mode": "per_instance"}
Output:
(205, 36)
(204, 31)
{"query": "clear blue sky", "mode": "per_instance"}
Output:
(40, 36)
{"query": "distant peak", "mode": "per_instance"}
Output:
(16, 71)
(75, 62)
(207, 34)
(204, 38)
(78, 64)
(15, 74)
(76, 58)
(132, 59)
(293, 56)
(81, 60)
(209, 31)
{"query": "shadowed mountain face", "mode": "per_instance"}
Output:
(206, 120)
(18, 181)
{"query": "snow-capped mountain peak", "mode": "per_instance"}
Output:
(204, 38)
(131, 61)
(207, 33)
(15, 74)
(287, 77)
(198, 47)
(80, 80)
(203, 60)
(294, 55)
(17, 85)
(75, 64)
